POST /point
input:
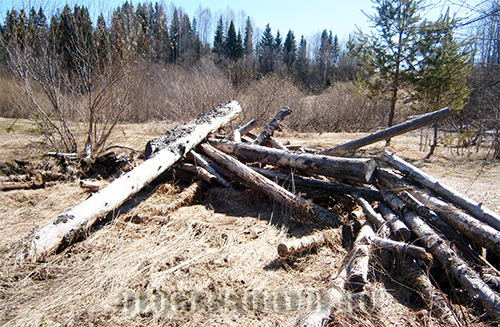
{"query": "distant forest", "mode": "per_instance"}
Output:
(150, 61)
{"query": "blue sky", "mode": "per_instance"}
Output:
(304, 17)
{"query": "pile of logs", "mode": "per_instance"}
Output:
(402, 209)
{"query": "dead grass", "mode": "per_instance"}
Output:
(223, 246)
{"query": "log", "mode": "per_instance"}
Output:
(374, 217)
(199, 160)
(310, 212)
(186, 196)
(358, 170)
(74, 223)
(199, 171)
(416, 278)
(476, 209)
(413, 251)
(301, 245)
(313, 183)
(242, 130)
(268, 131)
(456, 266)
(90, 185)
(481, 233)
(399, 229)
(359, 267)
(389, 133)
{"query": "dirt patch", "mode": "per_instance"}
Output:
(211, 263)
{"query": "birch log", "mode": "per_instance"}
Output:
(357, 170)
(390, 132)
(268, 131)
(309, 211)
(74, 223)
(199, 160)
(413, 251)
(359, 267)
(476, 209)
(374, 217)
(399, 229)
(242, 130)
(455, 265)
(301, 245)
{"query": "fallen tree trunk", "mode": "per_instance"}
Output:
(413, 251)
(357, 170)
(359, 267)
(268, 131)
(390, 132)
(242, 130)
(481, 233)
(199, 171)
(399, 229)
(301, 245)
(305, 209)
(476, 209)
(199, 160)
(317, 184)
(71, 225)
(455, 265)
(374, 217)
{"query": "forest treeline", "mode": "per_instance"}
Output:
(147, 61)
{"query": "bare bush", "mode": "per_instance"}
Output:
(339, 108)
(177, 93)
(263, 98)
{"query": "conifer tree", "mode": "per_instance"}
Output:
(248, 43)
(232, 44)
(219, 38)
(289, 50)
(267, 54)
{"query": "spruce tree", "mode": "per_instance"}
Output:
(248, 43)
(267, 47)
(289, 50)
(219, 38)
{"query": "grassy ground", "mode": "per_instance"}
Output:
(141, 267)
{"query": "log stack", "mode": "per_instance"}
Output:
(407, 214)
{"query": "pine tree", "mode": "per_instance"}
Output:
(325, 56)
(267, 47)
(219, 38)
(174, 37)
(302, 63)
(248, 43)
(390, 55)
(289, 50)
(232, 44)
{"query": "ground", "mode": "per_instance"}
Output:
(213, 262)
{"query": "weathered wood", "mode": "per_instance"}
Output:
(90, 185)
(416, 278)
(389, 133)
(306, 210)
(268, 131)
(301, 245)
(359, 267)
(358, 170)
(399, 229)
(475, 208)
(481, 233)
(242, 130)
(197, 170)
(375, 218)
(413, 251)
(317, 184)
(183, 198)
(456, 266)
(198, 159)
(70, 225)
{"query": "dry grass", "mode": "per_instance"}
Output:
(224, 243)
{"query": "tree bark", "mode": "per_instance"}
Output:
(199, 171)
(268, 131)
(399, 229)
(74, 223)
(374, 217)
(242, 130)
(390, 132)
(357, 170)
(476, 209)
(310, 212)
(359, 267)
(455, 265)
(413, 251)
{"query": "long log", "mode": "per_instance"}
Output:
(358, 170)
(199, 160)
(389, 133)
(313, 183)
(413, 251)
(242, 130)
(399, 229)
(456, 266)
(359, 267)
(481, 233)
(268, 131)
(374, 217)
(304, 209)
(475, 208)
(74, 223)
(301, 245)
(199, 171)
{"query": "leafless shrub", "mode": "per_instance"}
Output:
(340, 108)
(263, 98)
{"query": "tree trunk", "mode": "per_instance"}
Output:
(456, 266)
(71, 225)
(359, 267)
(310, 212)
(357, 170)
(312, 183)
(390, 132)
(374, 217)
(476, 209)
(482, 234)
(413, 251)
(301, 245)
(399, 229)
(242, 130)
(199, 160)
(199, 171)
(268, 131)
